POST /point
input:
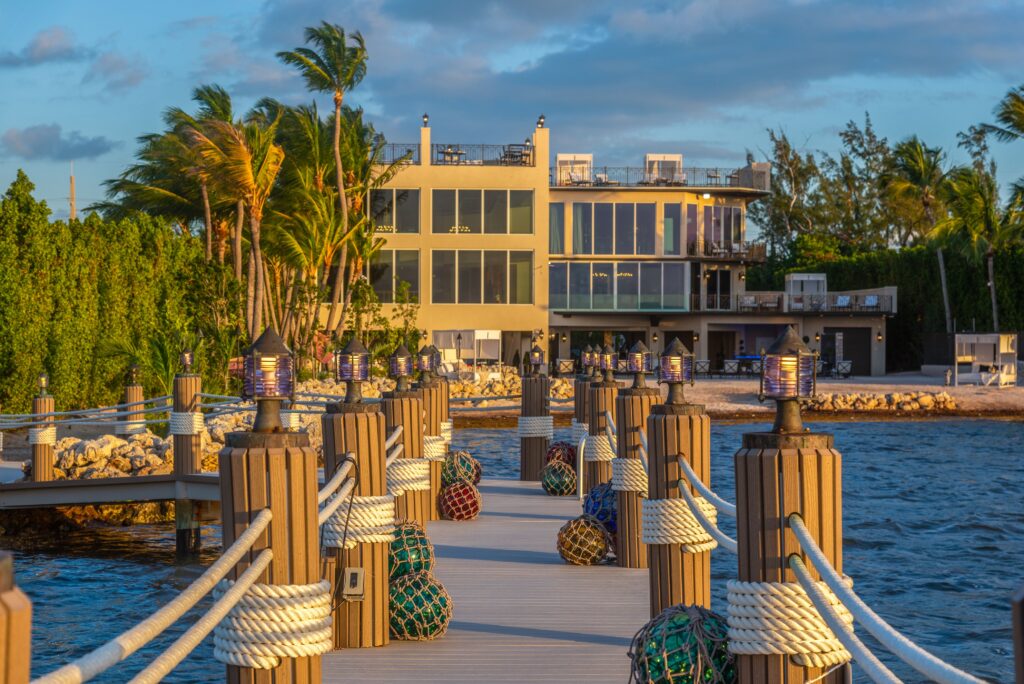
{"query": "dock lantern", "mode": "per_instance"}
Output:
(400, 367)
(788, 371)
(540, 121)
(133, 374)
(587, 361)
(437, 359)
(638, 362)
(44, 384)
(426, 120)
(675, 370)
(536, 360)
(187, 358)
(353, 363)
(268, 379)
(425, 365)
(607, 361)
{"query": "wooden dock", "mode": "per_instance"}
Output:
(521, 613)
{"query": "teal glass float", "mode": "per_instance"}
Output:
(410, 551)
(421, 607)
(683, 645)
(459, 466)
(558, 478)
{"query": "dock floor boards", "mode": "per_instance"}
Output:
(521, 613)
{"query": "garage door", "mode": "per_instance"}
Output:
(856, 347)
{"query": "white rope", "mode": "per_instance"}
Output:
(579, 464)
(42, 435)
(579, 431)
(724, 540)
(599, 448)
(778, 618)
(274, 621)
(629, 475)
(902, 647)
(132, 427)
(408, 475)
(610, 422)
(291, 420)
(186, 423)
(446, 431)
(394, 454)
(536, 426)
(867, 660)
(128, 642)
(332, 485)
(434, 448)
(721, 504)
(372, 521)
(394, 436)
(670, 521)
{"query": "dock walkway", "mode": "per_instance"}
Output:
(521, 613)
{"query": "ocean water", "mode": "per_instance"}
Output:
(933, 538)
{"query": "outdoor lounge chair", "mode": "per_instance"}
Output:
(844, 369)
(702, 367)
(842, 302)
(731, 367)
(870, 302)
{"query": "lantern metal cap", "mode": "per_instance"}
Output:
(401, 353)
(788, 344)
(536, 350)
(269, 343)
(354, 346)
(424, 350)
(639, 348)
(675, 348)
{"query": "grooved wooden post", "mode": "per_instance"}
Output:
(278, 471)
(632, 407)
(132, 395)
(359, 624)
(602, 398)
(777, 475)
(42, 453)
(535, 401)
(1017, 612)
(15, 626)
(581, 399)
(435, 402)
(188, 454)
(674, 430)
(405, 409)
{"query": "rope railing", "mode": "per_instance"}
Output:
(394, 436)
(644, 450)
(88, 411)
(579, 466)
(226, 397)
(718, 502)
(907, 651)
(93, 416)
(610, 422)
(724, 540)
(394, 454)
(128, 642)
(332, 485)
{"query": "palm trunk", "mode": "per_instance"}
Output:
(207, 220)
(222, 240)
(236, 239)
(945, 290)
(992, 290)
(256, 255)
(250, 295)
(333, 320)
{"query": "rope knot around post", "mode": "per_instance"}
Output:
(628, 475)
(274, 621)
(579, 431)
(446, 431)
(291, 420)
(42, 435)
(536, 426)
(408, 475)
(599, 449)
(778, 618)
(364, 519)
(434, 448)
(188, 423)
(670, 521)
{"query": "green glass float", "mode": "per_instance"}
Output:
(421, 607)
(558, 478)
(683, 645)
(411, 550)
(459, 466)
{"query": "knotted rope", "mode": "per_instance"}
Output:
(628, 475)
(446, 431)
(598, 448)
(536, 426)
(372, 520)
(434, 448)
(186, 423)
(129, 427)
(408, 475)
(670, 521)
(274, 621)
(291, 420)
(42, 435)
(579, 431)
(778, 618)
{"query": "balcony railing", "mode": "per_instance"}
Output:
(581, 175)
(445, 154)
(748, 303)
(727, 250)
(392, 152)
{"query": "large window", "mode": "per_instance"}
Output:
(582, 213)
(395, 210)
(556, 228)
(520, 212)
(691, 224)
(579, 286)
(471, 276)
(603, 229)
(619, 286)
(470, 206)
(390, 267)
(673, 219)
(645, 228)
(483, 211)
(603, 286)
(627, 285)
(444, 218)
(558, 273)
(623, 228)
(495, 211)
(674, 285)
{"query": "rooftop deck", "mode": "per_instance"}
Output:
(521, 613)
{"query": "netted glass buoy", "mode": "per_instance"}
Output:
(459, 466)
(603, 503)
(583, 541)
(459, 501)
(561, 451)
(683, 644)
(558, 478)
(411, 550)
(420, 607)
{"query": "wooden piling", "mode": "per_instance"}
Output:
(42, 449)
(405, 409)
(581, 399)
(778, 475)
(602, 398)
(435, 407)
(132, 395)
(535, 401)
(188, 455)
(673, 431)
(632, 406)
(15, 626)
(276, 471)
(359, 624)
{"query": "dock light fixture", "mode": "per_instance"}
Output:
(564, 338)
(587, 361)
(187, 358)
(426, 120)
(536, 360)
(817, 337)
(437, 359)
(529, 142)
(44, 384)
(878, 336)
(654, 338)
(696, 336)
(133, 374)
(540, 121)
(788, 371)
(425, 365)
(607, 361)
(353, 363)
(638, 362)
(675, 370)
(400, 367)
(267, 379)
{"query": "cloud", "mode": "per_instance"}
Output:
(48, 142)
(54, 44)
(115, 72)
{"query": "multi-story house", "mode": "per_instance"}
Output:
(501, 249)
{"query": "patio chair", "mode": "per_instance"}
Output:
(702, 367)
(755, 367)
(842, 302)
(748, 303)
(731, 367)
(818, 366)
(844, 369)
(870, 302)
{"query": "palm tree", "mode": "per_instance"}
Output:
(246, 157)
(978, 224)
(917, 176)
(336, 67)
(1010, 115)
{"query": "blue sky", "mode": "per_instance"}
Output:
(80, 80)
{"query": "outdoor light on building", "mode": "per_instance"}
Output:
(528, 142)
(564, 338)
(743, 275)
(44, 384)
(607, 361)
(425, 364)
(540, 121)
(267, 379)
(187, 358)
(787, 375)
(400, 368)
(817, 337)
(638, 362)
(536, 359)
(426, 120)
(676, 369)
(353, 364)
(133, 374)
(878, 336)
(696, 337)
(706, 195)
(654, 338)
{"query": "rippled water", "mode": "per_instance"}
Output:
(933, 537)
